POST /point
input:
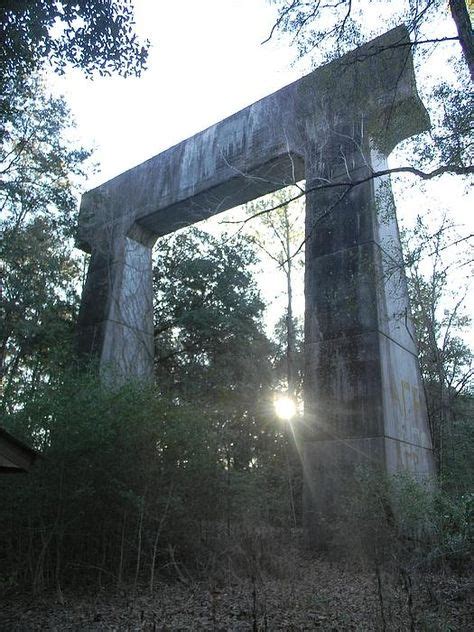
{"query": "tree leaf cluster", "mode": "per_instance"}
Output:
(208, 313)
(96, 36)
(40, 168)
(131, 486)
(211, 349)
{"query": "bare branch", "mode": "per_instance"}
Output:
(280, 19)
(424, 175)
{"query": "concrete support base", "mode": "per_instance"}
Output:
(116, 317)
(364, 401)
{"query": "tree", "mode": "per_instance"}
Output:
(333, 26)
(40, 171)
(324, 31)
(211, 353)
(280, 235)
(125, 476)
(93, 35)
(210, 345)
(207, 315)
(441, 319)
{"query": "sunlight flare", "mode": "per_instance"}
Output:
(285, 407)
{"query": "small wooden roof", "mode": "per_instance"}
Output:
(15, 456)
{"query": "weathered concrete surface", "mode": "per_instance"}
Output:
(261, 148)
(364, 403)
(116, 318)
(333, 127)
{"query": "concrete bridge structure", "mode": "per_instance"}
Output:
(334, 128)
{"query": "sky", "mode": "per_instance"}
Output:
(206, 62)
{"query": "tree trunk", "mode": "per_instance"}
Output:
(464, 28)
(139, 544)
(122, 545)
(157, 537)
(290, 339)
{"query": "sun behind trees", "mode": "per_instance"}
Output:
(137, 479)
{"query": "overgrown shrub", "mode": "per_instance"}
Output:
(400, 523)
(131, 486)
(124, 474)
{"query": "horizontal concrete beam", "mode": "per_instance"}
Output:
(261, 148)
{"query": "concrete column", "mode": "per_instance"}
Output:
(364, 403)
(116, 316)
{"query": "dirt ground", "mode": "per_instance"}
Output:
(316, 595)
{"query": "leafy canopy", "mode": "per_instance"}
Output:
(208, 312)
(40, 169)
(93, 35)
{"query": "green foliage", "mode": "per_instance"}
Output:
(207, 305)
(441, 320)
(452, 134)
(130, 486)
(40, 172)
(457, 440)
(93, 35)
(210, 347)
(454, 536)
(113, 462)
(403, 524)
(39, 163)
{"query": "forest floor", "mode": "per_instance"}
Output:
(314, 595)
